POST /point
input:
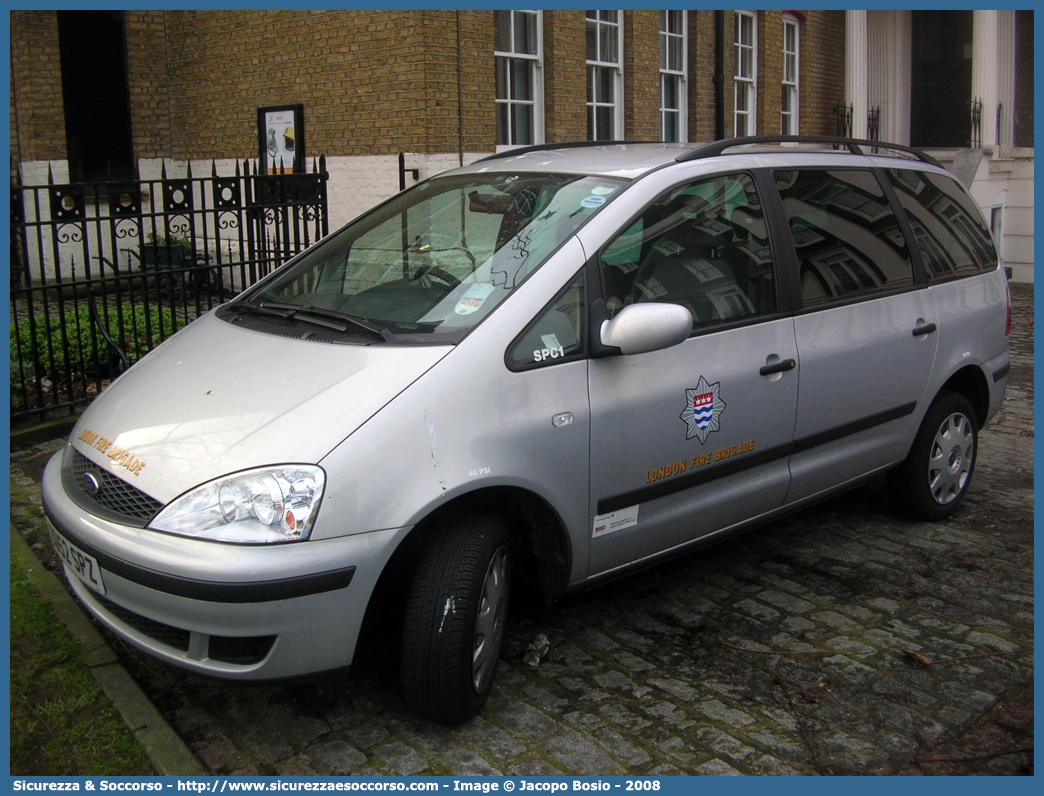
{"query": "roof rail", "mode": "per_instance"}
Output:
(854, 145)
(525, 150)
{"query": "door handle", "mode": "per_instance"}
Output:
(778, 367)
(926, 328)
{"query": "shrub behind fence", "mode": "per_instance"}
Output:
(134, 262)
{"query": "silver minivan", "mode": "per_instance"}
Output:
(554, 365)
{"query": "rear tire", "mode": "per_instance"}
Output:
(454, 621)
(931, 483)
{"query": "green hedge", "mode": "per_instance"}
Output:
(85, 343)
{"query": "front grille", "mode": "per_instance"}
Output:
(115, 495)
(165, 634)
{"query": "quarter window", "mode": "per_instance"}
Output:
(673, 39)
(556, 336)
(520, 105)
(847, 238)
(951, 234)
(789, 113)
(746, 74)
(604, 76)
(704, 246)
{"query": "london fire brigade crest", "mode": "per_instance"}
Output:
(703, 406)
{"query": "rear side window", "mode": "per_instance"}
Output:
(951, 234)
(848, 241)
(704, 245)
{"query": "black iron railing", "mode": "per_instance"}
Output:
(134, 261)
(873, 124)
(976, 124)
(843, 120)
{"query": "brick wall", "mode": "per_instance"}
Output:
(438, 56)
(380, 82)
(770, 71)
(702, 64)
(371, 82)
(641, 76)
(565, 76)
(150, 100)
(729, 74)
(13, 119)
(36, 78)
(822, 79)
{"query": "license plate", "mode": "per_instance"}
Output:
(85, 567)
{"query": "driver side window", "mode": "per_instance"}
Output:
(704, 246)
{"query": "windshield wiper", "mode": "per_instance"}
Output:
(317, 316)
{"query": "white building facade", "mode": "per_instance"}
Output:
(959, 85)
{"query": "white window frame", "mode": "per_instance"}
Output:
(676, 75)
(790, 123)
(746, 120)
(600, 66)
(535, 64)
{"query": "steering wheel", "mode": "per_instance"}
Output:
(433, 271)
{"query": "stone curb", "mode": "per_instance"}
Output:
(166, 751)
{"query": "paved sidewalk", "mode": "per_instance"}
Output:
(841, 640)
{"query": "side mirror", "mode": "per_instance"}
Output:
(640, 328)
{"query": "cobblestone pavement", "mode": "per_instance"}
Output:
(840, 640)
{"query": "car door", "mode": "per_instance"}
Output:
(865, 331)
(695, 438)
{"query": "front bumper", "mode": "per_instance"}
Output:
(249, 612)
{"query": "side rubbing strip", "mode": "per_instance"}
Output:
(1001, 373)
(738, 465)
(832, 434)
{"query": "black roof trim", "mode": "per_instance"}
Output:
(854, 145)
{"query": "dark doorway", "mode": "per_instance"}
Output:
(940, 112)
(95, 94)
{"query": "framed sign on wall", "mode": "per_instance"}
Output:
(280, 135)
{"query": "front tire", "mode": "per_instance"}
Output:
(454, 620)
(931, 483)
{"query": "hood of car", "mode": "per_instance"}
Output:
(215, 399)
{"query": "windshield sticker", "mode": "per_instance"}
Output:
(550, 340)
(703, 406)
(602, 190)
(605, 524)
(473, 298)
(592, 201)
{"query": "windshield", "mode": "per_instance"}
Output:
(433, 262)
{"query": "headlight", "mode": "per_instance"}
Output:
(273, 504)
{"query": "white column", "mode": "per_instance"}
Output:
(890, 43)
(856, 69)
(1006, 73)
(993, 73)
